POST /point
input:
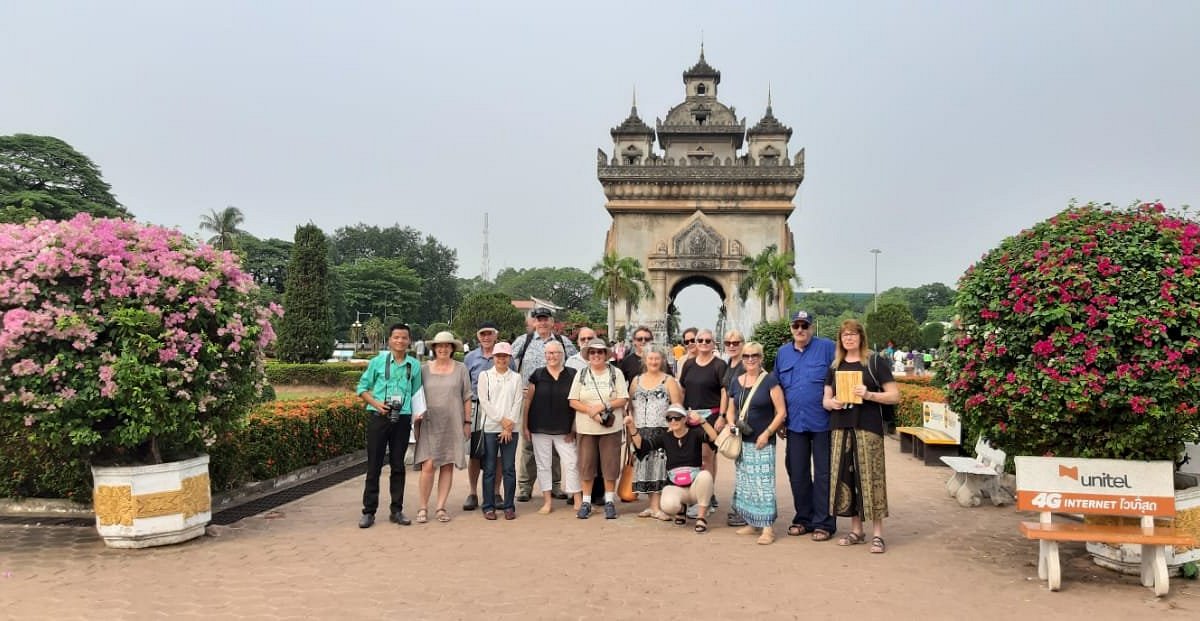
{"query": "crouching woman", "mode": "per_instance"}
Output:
(687, 482)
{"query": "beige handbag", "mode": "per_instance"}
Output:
(729, 441)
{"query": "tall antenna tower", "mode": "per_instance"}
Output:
(485, 269)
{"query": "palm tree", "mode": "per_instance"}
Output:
(225, 225)
(620, 278)
(781, 271)
(756, 279)
(769, 275)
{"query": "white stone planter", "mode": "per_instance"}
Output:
(144, 506)
(1127, 558)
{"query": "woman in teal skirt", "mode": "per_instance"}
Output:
(756, 406)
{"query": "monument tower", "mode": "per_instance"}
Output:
(713, 193)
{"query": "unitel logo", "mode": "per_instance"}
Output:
(1103, 479)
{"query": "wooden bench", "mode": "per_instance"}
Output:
(977, 477)
(939, 435)
(1100, 487)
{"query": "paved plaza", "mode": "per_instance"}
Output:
(308, 560)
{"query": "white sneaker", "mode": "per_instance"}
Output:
(693, 511)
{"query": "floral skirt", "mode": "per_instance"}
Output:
(650, 472)
(754, 485)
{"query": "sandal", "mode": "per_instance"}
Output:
(662, 516)
(852, 539)
(680, 518)
(422, 516)
(701, 526)
(795, 530)
(821, 534)
(878, 546)
(645, 513)
(442, 516)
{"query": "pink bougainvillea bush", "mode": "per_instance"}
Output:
(124, 341)
(1081, 336)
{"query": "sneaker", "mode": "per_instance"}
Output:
(734, 519)
(585, 511)
(610, 511)
(367, 520)
(523, 496)
(472, 503)
(693, 511)
(398, 517)
(559, 494)
(712, 503)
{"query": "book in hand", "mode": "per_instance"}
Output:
(845, 381)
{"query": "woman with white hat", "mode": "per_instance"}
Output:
(598, 395)
(446, 422)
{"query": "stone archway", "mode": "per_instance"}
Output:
(691, 212)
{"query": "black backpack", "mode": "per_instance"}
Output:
(525, 345)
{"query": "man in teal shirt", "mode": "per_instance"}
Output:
(387, 386)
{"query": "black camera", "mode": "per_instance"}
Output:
(394, 404)
(607, 418)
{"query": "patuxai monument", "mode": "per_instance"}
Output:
(710, 193)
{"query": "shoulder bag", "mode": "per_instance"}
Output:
(729, 442)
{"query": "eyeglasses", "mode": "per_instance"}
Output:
(732, 343)
(703, 341)
(688, 341)
(800, 325)
(644, 339)
(751, 356)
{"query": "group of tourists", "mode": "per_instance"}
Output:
(569, 416)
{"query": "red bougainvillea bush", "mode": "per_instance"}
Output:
(125, 341)
(1080, 336)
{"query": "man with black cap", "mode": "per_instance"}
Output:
(529, 354)
(799, 367)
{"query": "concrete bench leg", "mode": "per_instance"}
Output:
(1053, 569)
(955, 481)
(918, 448)
(933, 453)
(906, 443)
(1154, 569)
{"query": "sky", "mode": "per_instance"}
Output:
(932, 130)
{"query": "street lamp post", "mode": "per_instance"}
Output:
(876, 251)
(356, 328)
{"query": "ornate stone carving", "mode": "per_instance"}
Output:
(698, 240)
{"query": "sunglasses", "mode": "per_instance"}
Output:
(688, 341)
(586, 339)
(800, 325)
(703, 341)
(751, 356)
(595, 352)
(732, 343)
(674, 417)
(643, 339)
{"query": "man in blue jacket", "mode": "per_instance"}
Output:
(801, 367)
(387, 386)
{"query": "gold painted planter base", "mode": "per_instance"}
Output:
(145, 506)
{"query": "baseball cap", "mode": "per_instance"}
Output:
(487, 325)
(502, 348)
(541, 311)
(801, 315)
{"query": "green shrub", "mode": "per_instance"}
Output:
(314, 374)
(772, 335)
(283, 436)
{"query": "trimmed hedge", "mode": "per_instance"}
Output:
(276, 438)
(340, 374)
(283, 436)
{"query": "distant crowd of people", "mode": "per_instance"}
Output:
(569, 415)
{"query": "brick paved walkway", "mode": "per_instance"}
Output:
(308, 560)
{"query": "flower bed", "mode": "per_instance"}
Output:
(912, 395)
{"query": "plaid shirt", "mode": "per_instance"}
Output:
(535, 354)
